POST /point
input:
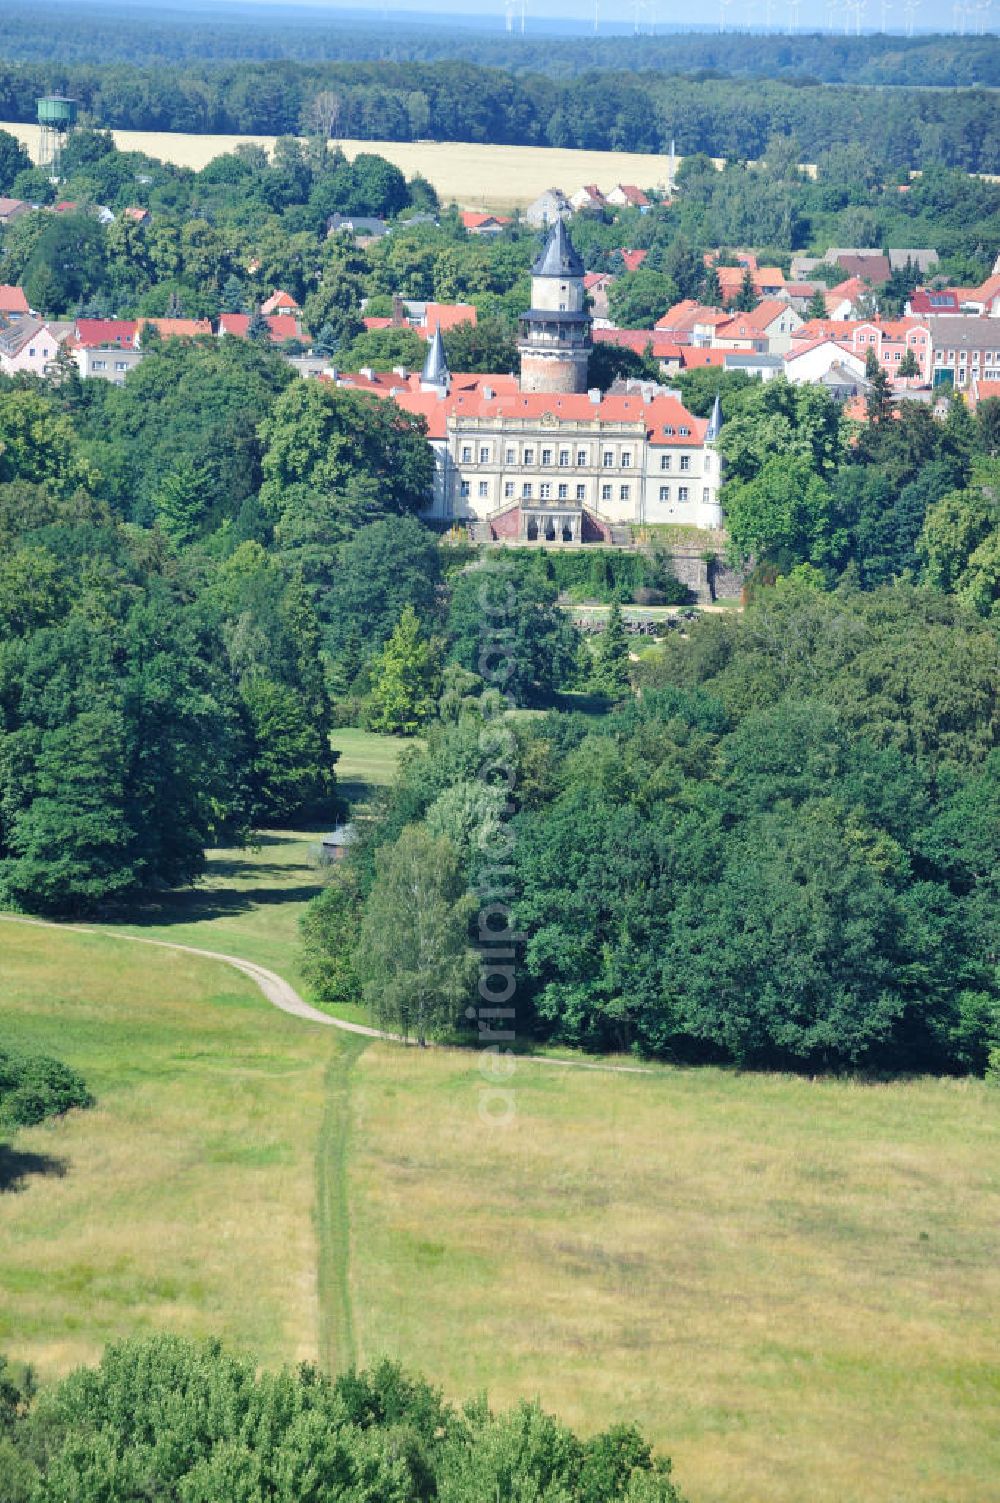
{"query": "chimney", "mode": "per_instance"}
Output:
(401, 372)
(398, 312)
(595, 395)
(488, 393)
(367, 372)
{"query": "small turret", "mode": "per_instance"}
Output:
(436, 376)
(715, 422)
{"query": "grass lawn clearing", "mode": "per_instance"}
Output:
(785, 1283)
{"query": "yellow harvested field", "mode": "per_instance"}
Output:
(475, 176)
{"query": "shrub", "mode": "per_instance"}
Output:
(33, 1087)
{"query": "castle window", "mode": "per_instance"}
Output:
(706, 494)
(664, 493)
(609, 459)
(581, 493)
(529, 456)
(626, 460)
(606, 492)
(484, 455)
(581, 456)
(526, 490)
(546, 456)
(508, 489)
(545, 491)
(668, 430)
(465, 490)
(625, 492)
(665, 460)
(563, 493)
(682, 493)
(684, 432)
(563, 458)
(510, 456)
(467, 454)
(685, 461)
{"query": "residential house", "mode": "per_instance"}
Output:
(759, 367)
(282, 326)
(105, 362)
(651, 342)
(27, 347)
(849, 299)
(965, 350)
(628, 196)
(11, 209)
(547, 208)
(176, 328)
(632, 259)
(137, 215)
(587, 197)
(812, 361)
(889, 339)
(105, 333)
(768, 281)
(767, 330)
(13, 303)
(691, 323)
(483, 224)
(923, 258)
(365, 229)
(936, 300)
(597, 285)
(280, 302)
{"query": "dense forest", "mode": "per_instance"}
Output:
(455, 100)
(110, 34)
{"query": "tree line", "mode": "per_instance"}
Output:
(95, 36)
(455, 100)
(169, 1418)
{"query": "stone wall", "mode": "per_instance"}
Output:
(708, 579)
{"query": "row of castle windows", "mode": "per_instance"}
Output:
(609, 460)
(562, 492)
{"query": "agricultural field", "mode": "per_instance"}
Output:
(475, 176)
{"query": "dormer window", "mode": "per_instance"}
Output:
(684, 432)
(668, 431)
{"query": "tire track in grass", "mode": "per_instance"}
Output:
(337, 1343)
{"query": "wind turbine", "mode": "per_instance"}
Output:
(982, 11)
(597, 16)
(794, 6)
(959, 13)
(910, 7)
(886, 7)
(723, 6)
(509, 7)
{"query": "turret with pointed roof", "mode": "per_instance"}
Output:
(554, 340)
(436, 375)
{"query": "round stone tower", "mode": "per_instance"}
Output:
(554, 340)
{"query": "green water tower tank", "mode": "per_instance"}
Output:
(56, 112)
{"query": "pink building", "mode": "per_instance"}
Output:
(27, 347)
(889, 338)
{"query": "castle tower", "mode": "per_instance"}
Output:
(554, 341)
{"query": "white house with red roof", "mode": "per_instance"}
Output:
(13, 303)
(766, 330)
(28, 346)
(280, 302)
(628, 196)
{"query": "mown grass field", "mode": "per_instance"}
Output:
(787, 1284)
(472, 174)
(183, 1201)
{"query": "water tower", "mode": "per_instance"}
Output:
(56, 118)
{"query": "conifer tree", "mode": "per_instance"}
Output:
(611, 657)
(404, 680)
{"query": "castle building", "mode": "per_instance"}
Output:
(544, 459)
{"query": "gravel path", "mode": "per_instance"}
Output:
(282, 994)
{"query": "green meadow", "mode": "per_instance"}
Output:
(789, 1284)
